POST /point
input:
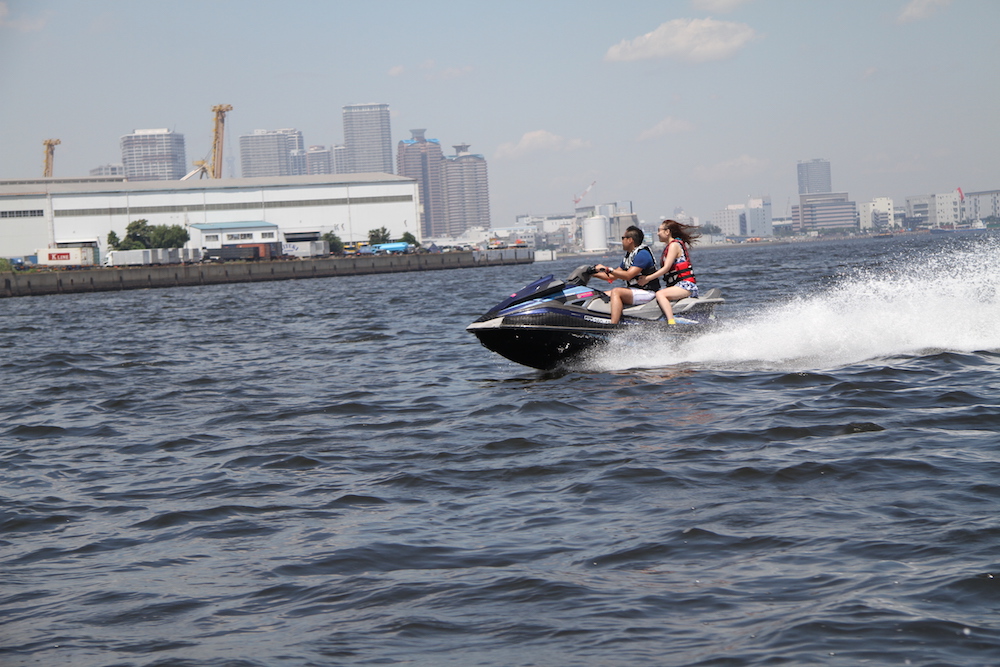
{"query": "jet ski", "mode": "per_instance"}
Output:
(550, 322)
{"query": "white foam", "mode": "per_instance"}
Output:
(946, 302)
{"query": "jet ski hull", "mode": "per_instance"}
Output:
(539, 347)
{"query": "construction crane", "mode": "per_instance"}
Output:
(220, 111)
(50, 152)
(213, 169)
(576, 200)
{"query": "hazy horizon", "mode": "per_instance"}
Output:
(695, 104)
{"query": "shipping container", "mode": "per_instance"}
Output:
(231, 253)
(264, 250)
(66, 256)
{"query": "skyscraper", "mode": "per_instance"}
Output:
(422, 159)
(153, 155)
(272, 153)
(368, 138)
(468, 191)
(814, 177)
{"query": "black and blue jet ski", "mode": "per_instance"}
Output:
(549, 322)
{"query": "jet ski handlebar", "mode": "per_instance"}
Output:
(581, 275)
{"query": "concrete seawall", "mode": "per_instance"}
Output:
(18, 283)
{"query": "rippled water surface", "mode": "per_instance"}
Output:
(333, 472)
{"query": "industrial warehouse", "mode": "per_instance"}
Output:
(54, 212)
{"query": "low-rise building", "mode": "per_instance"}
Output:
(752, 219)
(980, 206)
(825, 211)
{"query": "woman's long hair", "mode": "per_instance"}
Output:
(686, 233)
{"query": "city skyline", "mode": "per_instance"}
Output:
(693, 104)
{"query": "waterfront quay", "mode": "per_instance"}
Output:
(36, 283)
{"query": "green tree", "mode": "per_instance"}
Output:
(336, 245)
(410, 238)
(140, 235)
(711, 229)
(162, 236)
(136, 235)
(380, 235)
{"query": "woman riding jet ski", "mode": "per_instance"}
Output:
(549, 322)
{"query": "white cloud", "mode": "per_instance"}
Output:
(668, 125)
(22, 24)
(717, 6)
(432, 72)
(739, 167)
(916, 10)
(539, 140)
(449, 73)
(693, 40)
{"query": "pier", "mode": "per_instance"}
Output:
(106, 279)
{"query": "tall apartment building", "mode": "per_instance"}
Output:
(368, 138)
(319, 160)
(814, 177)
(340, 162)
(421, 158)
(269, 153)
(467, 191)
(297, 162)
(154, 155)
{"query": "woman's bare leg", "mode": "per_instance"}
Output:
(664, 297)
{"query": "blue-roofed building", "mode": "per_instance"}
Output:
(213, 235)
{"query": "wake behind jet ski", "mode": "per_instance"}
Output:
(549, 322)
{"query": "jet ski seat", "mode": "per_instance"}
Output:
(646, 311)
(651, 310)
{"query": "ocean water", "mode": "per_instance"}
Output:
(333, 472)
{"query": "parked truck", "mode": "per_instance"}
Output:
(306, 248)
(153, 256)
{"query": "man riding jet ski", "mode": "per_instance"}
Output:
(549, 322)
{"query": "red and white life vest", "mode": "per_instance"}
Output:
(682, 268)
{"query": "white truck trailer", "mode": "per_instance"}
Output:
(86, 256)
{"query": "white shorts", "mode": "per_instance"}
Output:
(640, 295)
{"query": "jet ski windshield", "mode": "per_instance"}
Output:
(537, 289)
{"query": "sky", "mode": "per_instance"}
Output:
(694, 104)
